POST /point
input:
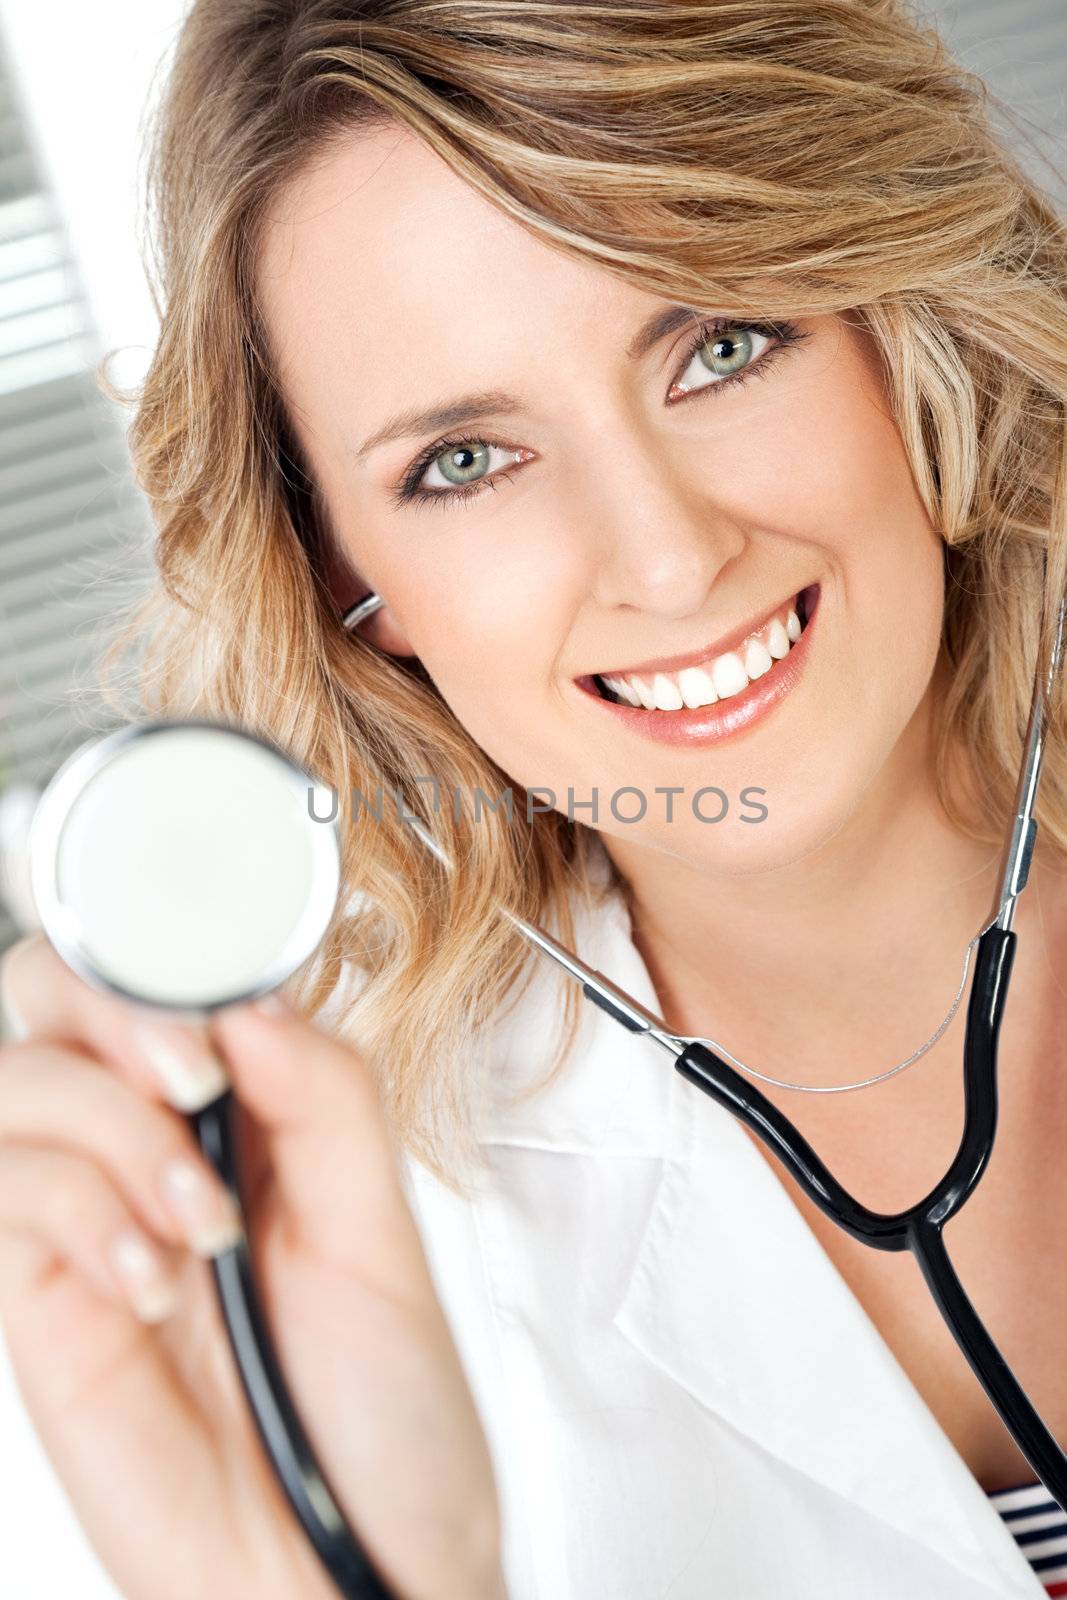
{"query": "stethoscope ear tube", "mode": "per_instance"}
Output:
(919, 1228)
(276, 1418)
(996, 953)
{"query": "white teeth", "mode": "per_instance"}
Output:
(620, 687)
(729, 675)
(697, 687)
(644, 693)
(758, 659)
(777, 640)
(715, 680)
(668, 695)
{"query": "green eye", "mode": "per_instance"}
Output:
(727, 351)
(463, 462)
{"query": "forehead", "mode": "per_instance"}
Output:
(370, 211)
(379, 264)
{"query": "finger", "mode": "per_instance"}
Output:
(54, 1096)
(333, 1153)
(164, 1055)
(163, 1058)
(97, 1380)
(68, 1207)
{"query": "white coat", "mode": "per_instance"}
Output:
(683, 1398)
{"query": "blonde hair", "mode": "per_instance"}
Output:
(773, 159)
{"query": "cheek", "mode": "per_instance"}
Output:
(892, 558)
(842, 484)
(492, 650)
(832, 468)
(882, 624)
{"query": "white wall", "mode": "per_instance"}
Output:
(87, 73)
(1020, 48)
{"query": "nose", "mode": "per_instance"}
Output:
(662, 541)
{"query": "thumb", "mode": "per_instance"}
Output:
(332, 1154)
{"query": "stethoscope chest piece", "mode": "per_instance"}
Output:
(181, 865)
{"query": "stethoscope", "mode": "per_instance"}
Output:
(139, 831)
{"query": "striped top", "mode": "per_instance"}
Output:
(1040, 1530)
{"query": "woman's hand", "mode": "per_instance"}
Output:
(107, 1212)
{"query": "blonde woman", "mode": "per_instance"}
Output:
(689, 383)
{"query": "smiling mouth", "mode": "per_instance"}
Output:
(706, 679)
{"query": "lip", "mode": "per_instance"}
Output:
(696, 658)
(707, 725)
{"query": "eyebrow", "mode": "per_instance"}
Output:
(496, 402)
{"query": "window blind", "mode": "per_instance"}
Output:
(70, 513)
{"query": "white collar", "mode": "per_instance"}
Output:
(731, 1293)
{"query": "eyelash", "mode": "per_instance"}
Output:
(785, 334)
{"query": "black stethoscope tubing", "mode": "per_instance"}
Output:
(918, 1229)
(290, 1452)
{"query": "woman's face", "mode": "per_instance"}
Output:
(611, 503)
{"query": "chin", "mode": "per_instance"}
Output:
(763, 828)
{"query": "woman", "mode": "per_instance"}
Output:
(466, 304)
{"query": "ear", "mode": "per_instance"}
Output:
(346, 587)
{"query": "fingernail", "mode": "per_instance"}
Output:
(188, 1069)
(203, 1206)
(139, 1267)
(16, 1026)
(273, 1004)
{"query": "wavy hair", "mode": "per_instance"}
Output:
(862, 174)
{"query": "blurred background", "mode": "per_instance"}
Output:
(76, 83)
